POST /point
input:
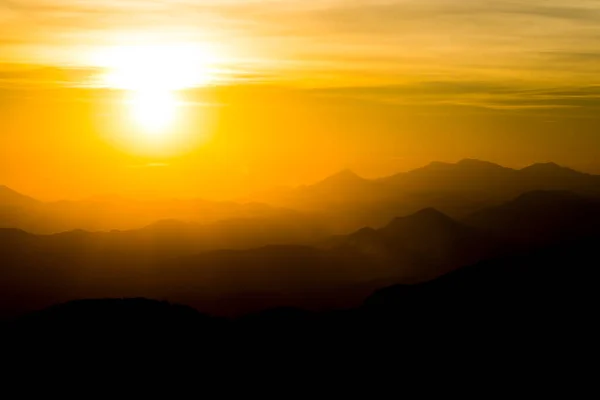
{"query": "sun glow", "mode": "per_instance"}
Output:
(152, 75)
(158, 67)
(155, 111)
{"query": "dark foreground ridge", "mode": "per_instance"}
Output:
(540, 302)
(527, 302)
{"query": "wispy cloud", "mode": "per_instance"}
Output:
(332, 41)
(510, 96)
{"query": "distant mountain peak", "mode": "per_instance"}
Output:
(430, 214)
(548, 165)
(6, 189)
(345, 174)
(544, 166)
(11, 197)
(472, 162)
(467, 165)
(436, 165)
(343, 178)
(550, 168)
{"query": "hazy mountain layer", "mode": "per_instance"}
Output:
(339, 204)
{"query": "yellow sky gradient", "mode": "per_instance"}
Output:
(297, 90)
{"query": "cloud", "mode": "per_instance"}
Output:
(22, 75)
(509, 96)
(393, 41)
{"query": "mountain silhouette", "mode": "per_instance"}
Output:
(341, 203)
(426, 244)
(162, 263)
(17, 210)
(11, 198)
(517, 299)
(424, 220)
(472, 163)
(475, 176)
(551, 176)
(15, 238)
(349, 202)
(345, 186)
(108, 214)
(344, 178)
(183, 262)
(541, 217)
(551, 170)
(236, 258)
(505, 308)
(465, 173)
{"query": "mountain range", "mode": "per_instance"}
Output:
(318, 247)
(340, 203)
(533, 308)
(235, 270)
(348, 202)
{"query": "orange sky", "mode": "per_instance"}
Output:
(286, 92)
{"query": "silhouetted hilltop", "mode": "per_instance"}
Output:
(457, 189)
(551, 176)
(345, 186)
(11, 198)
(533, 289)
(428, 218)
(541, 216)
(341, 179)
(472, 163)
(478, 175)
(13, 241)
(552, 170)
(428, 232)
(427, 244)
(466, 173)
(17, 210)
(7, 234)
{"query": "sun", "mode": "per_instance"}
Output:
(158, 67)
(152, 110)
(152, 76)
